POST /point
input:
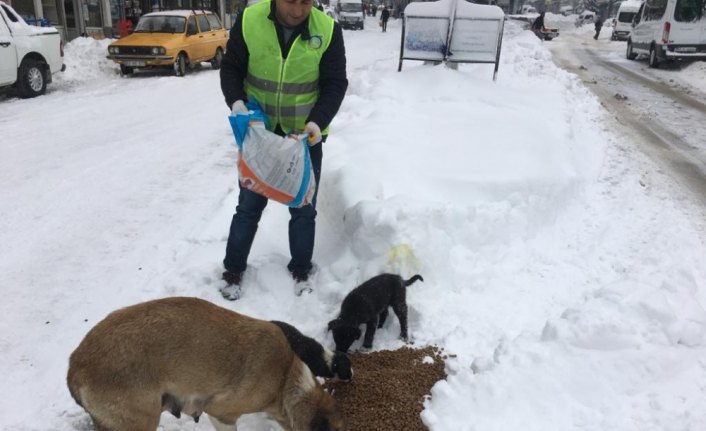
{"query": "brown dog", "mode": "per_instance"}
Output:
(188, 355)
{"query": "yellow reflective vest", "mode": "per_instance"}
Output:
(288, 88)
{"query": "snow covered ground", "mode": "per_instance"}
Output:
(565, 272)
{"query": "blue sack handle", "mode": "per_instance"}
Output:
(240, 122)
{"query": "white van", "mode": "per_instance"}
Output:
(668, 30)
(622, 25)
(350, 13)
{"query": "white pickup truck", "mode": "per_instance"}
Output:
(29, 55)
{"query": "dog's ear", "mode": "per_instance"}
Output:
(335, 323)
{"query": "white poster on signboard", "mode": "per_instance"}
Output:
(474, 40)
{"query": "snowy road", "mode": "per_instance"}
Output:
(666, 115)
(564, 271)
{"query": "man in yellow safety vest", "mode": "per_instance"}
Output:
(289, 57)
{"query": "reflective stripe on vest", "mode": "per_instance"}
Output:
(287, 89)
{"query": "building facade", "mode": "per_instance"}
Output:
(101, 18)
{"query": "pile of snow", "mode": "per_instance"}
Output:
(86, 61)
(694, 75)
(562, 270)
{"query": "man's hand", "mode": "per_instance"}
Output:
(314, 133)
(239, 108)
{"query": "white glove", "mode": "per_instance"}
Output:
(239, 108)
(314, 132)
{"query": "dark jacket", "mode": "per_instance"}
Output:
(385, 15)
(538, 23)
(332, 69)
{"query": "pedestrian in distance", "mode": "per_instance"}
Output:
(300, 92)
(384, 16)
(599, 26)
(538, 26)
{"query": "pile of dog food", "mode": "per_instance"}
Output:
(388, 388)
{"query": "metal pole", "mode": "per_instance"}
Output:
(399, 68)
(451, 28)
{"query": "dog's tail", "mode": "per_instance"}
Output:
(413, 279)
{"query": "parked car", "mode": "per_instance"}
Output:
(667, 30)
(585, 17)
(622, 24)
(549, 33)
(29, 55)
(178, 39)
(566, 10)
(328, 10)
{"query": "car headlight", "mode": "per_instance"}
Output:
(158, 50)
(113, 50)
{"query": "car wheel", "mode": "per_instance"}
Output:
(653, 62)
(629, 54)
(126, 70)
(217, 59)
(180, 65)
(32, 80)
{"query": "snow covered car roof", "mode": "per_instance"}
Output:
(184, 13)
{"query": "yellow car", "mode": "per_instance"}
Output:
(177, 38)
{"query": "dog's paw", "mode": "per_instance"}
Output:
(365, 349)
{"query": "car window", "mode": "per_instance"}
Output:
(213, 20)
(350, 7)
(626, 16)
(689, 10)
(160, 24)
(203, 23)
(191, 26)
(172, 24)
(654, 9)
(9, 13)
(638, 16)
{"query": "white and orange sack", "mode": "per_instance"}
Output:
(273, 166)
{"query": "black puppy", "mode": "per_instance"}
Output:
(320, 360)
(368, 303)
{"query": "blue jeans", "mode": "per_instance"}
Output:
(302, 226)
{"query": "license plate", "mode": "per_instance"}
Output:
(134, 63)
(686, 49)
